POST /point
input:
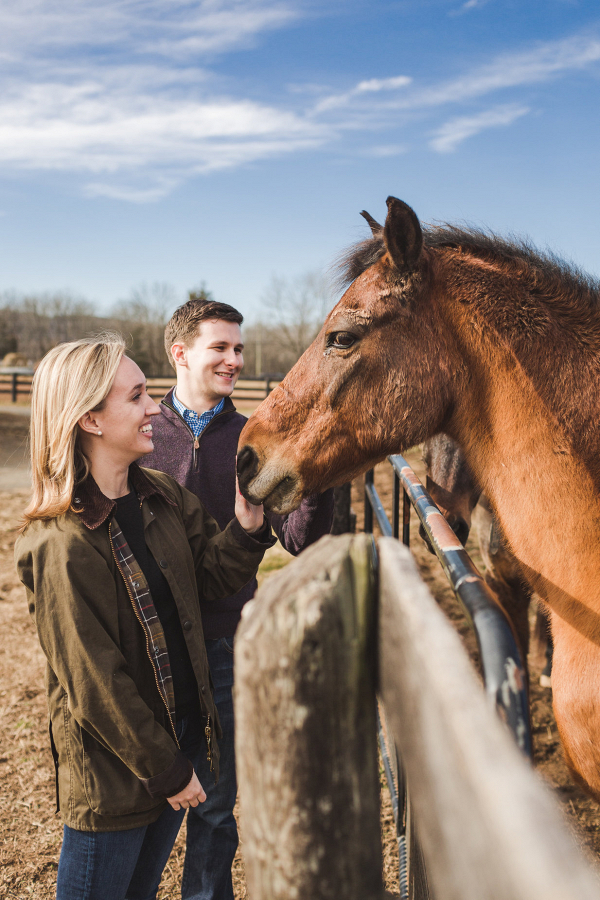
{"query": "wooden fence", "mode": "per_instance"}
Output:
(246, 388)
(15, 385)
(321, 635)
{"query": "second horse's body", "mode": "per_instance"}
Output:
(456, 492)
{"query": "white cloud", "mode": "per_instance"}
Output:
(128, 192)
(173, 28)
(372, 86)
(108, 89)
(121, 93)
(385, 150)
(540, 64)
(454, 132)
(86, 128)
(468, 6)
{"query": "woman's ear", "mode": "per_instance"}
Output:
(89, 423)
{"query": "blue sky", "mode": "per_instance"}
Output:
(229, 140)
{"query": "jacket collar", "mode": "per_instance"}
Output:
(94, 508)
(168, 410)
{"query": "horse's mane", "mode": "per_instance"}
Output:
(544, 267)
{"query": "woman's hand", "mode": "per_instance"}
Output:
(191, 795)
(249, 516)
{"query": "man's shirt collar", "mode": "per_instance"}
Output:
(196, 421)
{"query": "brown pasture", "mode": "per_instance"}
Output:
(30, 832)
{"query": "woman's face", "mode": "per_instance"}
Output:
(125, 420)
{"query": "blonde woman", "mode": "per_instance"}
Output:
(113, 558)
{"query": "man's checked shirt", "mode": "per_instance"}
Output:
(197, 422)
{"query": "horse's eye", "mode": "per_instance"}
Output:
(341, 339)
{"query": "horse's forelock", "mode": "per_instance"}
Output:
(357, 259)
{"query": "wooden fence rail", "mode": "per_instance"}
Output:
(308, 657)
(16, 385)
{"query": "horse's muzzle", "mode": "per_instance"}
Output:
(247, 467)
(275, 486)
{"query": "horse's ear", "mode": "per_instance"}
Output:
(376, 228)
(402, 235)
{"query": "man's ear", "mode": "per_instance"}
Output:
(178, 351)
(89, 423)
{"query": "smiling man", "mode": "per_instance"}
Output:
(195, 441)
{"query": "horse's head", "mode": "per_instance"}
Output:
(377, 379)
(451, 484)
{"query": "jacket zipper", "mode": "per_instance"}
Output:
(145, 634)
(196, 442)
(207, 733)
(203, 432)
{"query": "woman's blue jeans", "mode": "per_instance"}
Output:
(124, 865)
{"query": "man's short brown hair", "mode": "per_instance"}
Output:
(184, 324)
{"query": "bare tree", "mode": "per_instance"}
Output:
(294, 310)
(34, 323)
(200, 293)
(142, 318)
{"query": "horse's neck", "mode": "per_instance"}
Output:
(542, 491)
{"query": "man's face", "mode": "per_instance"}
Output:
(214, 359)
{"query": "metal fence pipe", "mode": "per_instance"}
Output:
(504, 674)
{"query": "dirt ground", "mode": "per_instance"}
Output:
(30, 832)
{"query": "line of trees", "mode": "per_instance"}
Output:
(292, 311)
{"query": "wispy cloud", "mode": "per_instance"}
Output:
(533, 66)
(124, 94)
(454, 132)
(385, 150)
(113, 89)
(87, 128)
(372, 86)
(381, 102)
(467, 7)
(173, 28)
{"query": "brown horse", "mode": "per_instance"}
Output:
(456, 492)
(497, 346)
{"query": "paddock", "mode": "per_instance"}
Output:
(30, 834)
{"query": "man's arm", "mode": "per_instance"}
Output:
(308, 523)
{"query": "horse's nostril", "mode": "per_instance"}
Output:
(247, 464)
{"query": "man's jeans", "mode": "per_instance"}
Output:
(211, 829)
(124, 865)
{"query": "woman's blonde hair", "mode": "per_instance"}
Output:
(72, 379)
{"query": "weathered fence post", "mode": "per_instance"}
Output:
(306, 728)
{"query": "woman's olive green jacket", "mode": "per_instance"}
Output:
(112, 736)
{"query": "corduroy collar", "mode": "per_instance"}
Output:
(94, 507)
(171, 413)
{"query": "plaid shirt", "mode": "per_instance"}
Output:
(141, 598)
(197, 422)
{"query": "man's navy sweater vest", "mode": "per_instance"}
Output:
(209, 472)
